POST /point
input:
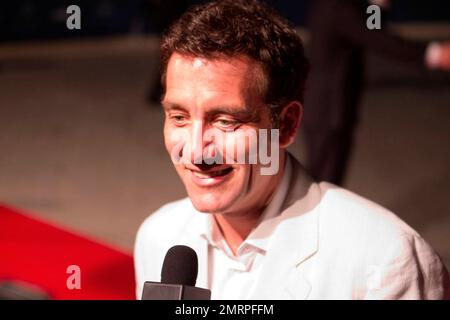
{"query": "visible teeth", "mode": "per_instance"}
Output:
(201, 175)
(210, 174)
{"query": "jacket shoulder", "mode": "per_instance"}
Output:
(166, 218)
(372, 238)
(154, 237)
(353, 212)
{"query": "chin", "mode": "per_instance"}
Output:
(208, 203)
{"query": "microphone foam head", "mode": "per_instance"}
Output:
(180, 266)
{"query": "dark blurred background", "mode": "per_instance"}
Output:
(38, 20)
(81, 146)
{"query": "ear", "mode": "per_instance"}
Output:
(290, 118)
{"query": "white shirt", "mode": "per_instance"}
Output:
(229, 276)
(326, 243)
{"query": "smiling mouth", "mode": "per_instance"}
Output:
(212, 174)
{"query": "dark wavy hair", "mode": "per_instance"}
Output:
(243, 27)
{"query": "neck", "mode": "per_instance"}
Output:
(235, 229)
(236, 226)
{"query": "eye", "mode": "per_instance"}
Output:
(178, 119)
(227, 124)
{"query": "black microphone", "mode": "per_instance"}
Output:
(178, 277)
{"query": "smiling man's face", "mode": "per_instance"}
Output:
(220, 94)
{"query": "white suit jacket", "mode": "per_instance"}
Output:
(329, 243)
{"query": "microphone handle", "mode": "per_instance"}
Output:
(162, 291)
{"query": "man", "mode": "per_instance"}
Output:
(339, 39)
(235, 68)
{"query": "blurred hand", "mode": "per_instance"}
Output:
(444, 61)
(438, 56)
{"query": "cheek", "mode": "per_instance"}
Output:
(167, 141)
(174, 140)
(241, 146)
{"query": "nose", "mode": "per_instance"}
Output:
(196, 144)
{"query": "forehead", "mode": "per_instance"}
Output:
(196, 75)
(237, 65)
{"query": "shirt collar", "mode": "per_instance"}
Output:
(259, 237)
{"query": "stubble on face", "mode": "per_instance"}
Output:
(200, 93)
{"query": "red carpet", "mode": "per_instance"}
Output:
(39, 253)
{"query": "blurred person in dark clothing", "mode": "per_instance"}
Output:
(339, 38)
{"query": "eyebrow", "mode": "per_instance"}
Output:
(167, 106)
(233, 110)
